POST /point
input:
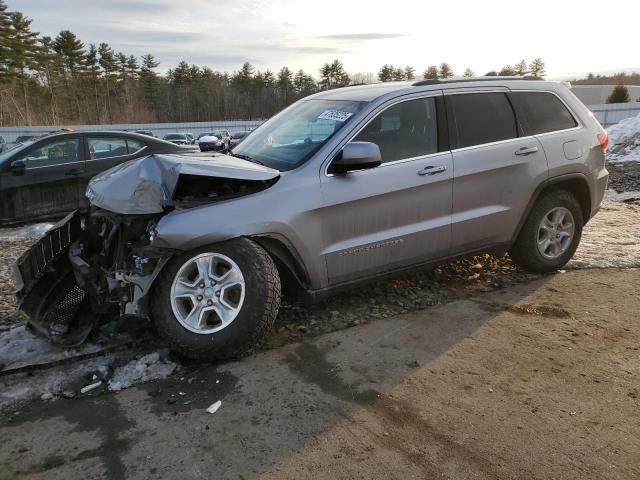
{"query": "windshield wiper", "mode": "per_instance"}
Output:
(246, 157)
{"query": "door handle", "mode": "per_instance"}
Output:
(432, 170)
(526, 151)
(73, 172)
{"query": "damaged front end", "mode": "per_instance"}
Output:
(97, 265)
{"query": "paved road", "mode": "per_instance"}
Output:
(535, 381)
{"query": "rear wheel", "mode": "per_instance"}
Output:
(218, 301)
(551, 234)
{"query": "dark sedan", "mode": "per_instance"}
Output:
(46, 177)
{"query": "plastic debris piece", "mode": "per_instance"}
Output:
(213, 408)
(88, 388)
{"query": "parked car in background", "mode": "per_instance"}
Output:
(237, 138)
(3, 145)
(191, 138)
(46, 177)
(177, 138)
(214, 141)
(145, 132)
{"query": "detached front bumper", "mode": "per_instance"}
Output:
(42, 259)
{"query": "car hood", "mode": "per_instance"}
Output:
(146, 185)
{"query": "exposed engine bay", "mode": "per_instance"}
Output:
(95, 265)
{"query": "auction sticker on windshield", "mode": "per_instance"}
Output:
(335, 115)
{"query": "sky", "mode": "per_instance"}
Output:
(572, 37)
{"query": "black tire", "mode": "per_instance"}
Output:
(255, 318)
(524, 251)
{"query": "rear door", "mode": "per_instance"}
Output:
(51, 184)
(496, 169)
(399, 213)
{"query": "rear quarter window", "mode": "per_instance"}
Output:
(541, 112)
(479, 118)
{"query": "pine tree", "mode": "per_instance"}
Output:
(445, 70)
(537, 68)
(521, 68)
(431, 73)
(620, 94)
(285, 83)
(24, 48)
(385, 74)
(5, 34)
(507, 71)
(71, 50)
(398, 74)
(468, 73)
(491, 73)
(49, 70)
(92, 73)
(409, 73)
(108, 65)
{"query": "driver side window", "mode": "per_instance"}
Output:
(55, 153)
(404, 130)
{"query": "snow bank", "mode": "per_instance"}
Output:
(153, 366)
(624, 140)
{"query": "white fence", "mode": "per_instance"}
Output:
(611, 113)
(159, 129)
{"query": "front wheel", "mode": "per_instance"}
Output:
(551, 233)
(218, 301)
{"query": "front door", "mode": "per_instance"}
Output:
(399, 213)
(51, 183)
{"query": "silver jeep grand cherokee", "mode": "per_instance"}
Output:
(343, 186)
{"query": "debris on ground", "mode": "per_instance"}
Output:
(90, 387)
(213, 408)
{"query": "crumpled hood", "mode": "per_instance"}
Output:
(145, 185)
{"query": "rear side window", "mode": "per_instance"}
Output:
(477, 118)
(134, 145)
(106, 147)
(404, 130)
(541, 112)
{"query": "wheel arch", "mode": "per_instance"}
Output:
(576, 184)
(291, 269)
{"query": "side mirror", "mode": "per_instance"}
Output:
(357, 156)
(18, 167)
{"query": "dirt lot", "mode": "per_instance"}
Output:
(535, 381)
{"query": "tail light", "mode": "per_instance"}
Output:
(603, 138)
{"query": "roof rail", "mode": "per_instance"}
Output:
(473, 79)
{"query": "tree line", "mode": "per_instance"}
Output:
(61, 80)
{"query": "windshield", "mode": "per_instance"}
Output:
(174, 136)
(290, 138)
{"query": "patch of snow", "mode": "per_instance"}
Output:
(26, 232)
(19, 347)
(153, 366)
(624, 140)
(610, 239)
